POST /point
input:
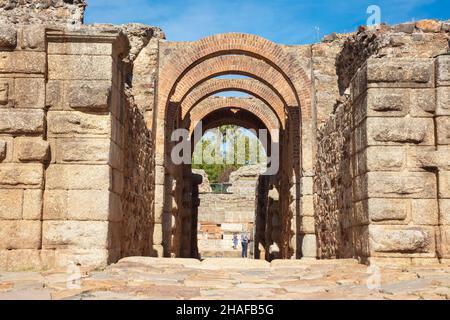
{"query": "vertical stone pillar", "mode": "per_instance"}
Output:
(23, 146)
(82, 213)
(307, 220)
(442, 157)
(396, 207)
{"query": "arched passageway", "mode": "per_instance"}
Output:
(279, 90)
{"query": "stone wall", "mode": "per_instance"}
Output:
(69, 12)
(333, 185)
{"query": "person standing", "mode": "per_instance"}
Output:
(244, 242)
(235, 241)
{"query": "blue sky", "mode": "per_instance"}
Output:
(282, 21)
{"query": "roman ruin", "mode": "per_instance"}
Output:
(87, 113)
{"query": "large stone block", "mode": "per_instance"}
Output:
(443, 101)
(444, 184)
(70, 150)
(388, 210)
(23, 62)
(75, 234)
(401, 72)
(403, 240)
(8, 37)
(415, 185)
(21, 260)
(30, 93)
(387, 102)
(444, 211)
(443, 129)
(32, 37)
(93, 205)
(21, 121)
(78, 177)
(443, 70)
(29, 176)
(89, 95)
(4, 93)
(20, 234)
(392, 131)
(55, 205)
(79, 48)
(309, 246)
(11, 204)
(32, 205)
(425, 212)
(444, 244)
(69, 124)
(3, 150)
(79, 67)
(31, 149)
(386, 158)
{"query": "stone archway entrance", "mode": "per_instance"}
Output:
(188, 79)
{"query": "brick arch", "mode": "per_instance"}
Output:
(235, 43)
(254, 106)
(250, 86)
(235, 64)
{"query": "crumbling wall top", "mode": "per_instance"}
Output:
(42, 11)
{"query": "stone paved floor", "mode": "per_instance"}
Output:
(148, 278)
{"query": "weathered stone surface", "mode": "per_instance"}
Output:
(38, 12)
(443, 101)
(99, 205)
(8, 37)
(443, 130)
(22, 62)
(75, 67)
(83, 150)
(444, 211)
(75, 234)
(32, 205)
(21, 121)
(443, 70)
(31, 149)
(29, 176)
(4, 93)
(11, 204)
(78, 177)
(401, 72)
(2, 150)
(444, 184)
(77, 123)
(90, 95)
(381, 210)
(309, 246)
(445, 241)
(401, 240)
(55, 205)
(388, 131)
(425, 212)
(429, 25)
(30, 93)
(401, 185)
(385, 158)
(20, 234)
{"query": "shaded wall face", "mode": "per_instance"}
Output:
(381, 198)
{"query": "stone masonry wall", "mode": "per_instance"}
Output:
(24, 147)
(69, 12)
(333, 185)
